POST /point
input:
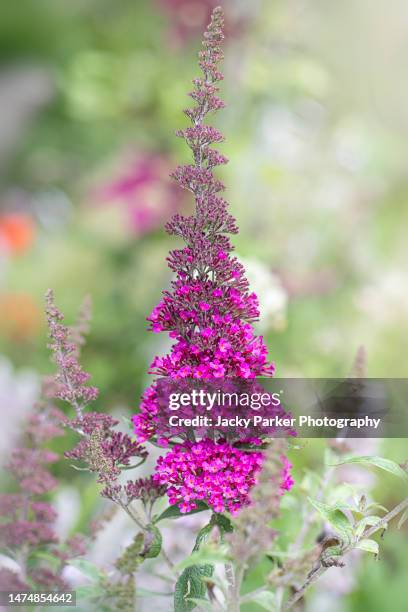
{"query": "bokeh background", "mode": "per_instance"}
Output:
(91, 92)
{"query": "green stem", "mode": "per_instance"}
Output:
(314, 576)
(234, 578)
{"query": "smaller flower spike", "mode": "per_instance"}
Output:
(71, 379)
(102, 449)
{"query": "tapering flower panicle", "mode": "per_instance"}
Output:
(209, 311)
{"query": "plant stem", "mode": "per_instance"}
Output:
(167, 559)
(387, 517)
(234, 578)
(135, 519)
(314, 576)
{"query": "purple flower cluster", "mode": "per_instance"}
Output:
(103, 450)
(208, 312)
(145, 489)
(28, 466)
(215, 473)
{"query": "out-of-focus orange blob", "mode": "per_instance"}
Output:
(20, 317)
(17, 232)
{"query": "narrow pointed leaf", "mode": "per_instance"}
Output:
(384, 464)
(174, 512)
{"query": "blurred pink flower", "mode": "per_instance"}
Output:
(188, 16)
(145, 190)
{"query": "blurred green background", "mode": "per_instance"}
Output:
(91, 92)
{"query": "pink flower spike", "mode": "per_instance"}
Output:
(207, 278)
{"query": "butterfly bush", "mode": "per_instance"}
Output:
(209, 313)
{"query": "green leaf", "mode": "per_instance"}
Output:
(334, 515)
(341, 495)
(365, 522)
(380, 462)
(223, 523)
(174, 512)
(190, 586)
(370, 546)
(152, 543)
(403, 518)
(202, 536)
(265, 599)
(88, 569)
(374, 505)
